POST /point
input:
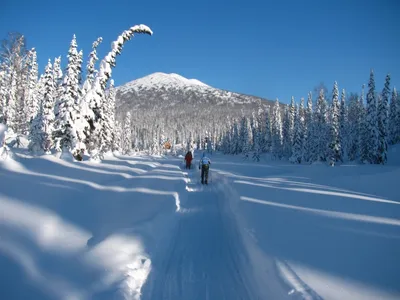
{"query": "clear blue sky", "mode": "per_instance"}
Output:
(264, 48)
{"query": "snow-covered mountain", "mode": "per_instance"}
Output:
(164, 91)
(160, 80)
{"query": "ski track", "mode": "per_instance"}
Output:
(205, 258)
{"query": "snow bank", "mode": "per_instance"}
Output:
(332, 233)
(3, 129)
(4, 150)
(82, 230)
(394, 155)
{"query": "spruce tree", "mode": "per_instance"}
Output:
(69, 125)
(302, 129)
(343, 121)
(320, 132)
(277, 131)
(372, 122)
(90, 67)
(126, 137)
(308, 127)
(42, 126)
(268, 131)
(393, 122)
(286, 132)
(382, 122)
(334, 144)
(3, 93)
(257, 141)
(32, 101)
(117, 142)
(297, 146)
(398, 117)
(292, 112)
(363, 129)
(58, 85)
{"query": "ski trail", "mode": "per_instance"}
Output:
(205, 258)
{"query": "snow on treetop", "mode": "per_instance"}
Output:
(163, 79)
(141, 28)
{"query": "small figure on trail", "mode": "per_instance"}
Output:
(204, 165)
(188, 159)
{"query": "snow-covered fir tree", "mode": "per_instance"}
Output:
(106, 121)
(260, 123)
(308, 142)
(394, 123)
(257, 139)
(371, 125)
(117, 142)
(95, 96)
(155, 146)
(11, 103)
(302, 121)
(126, 137)
(110, 111)
(334, 136)
(286, 132)
(32, 100)
(245, 137)
(79, 71)
(398, 117)
(14, 59)
(3, 92)
(320, 130)
(42, 126)
(297, 147)
(58, 84)
(292, 112)
(353, 128)
(267, 140)
(90, 67)
(37, 137)
(343, 122)
(68, 135)
(382, 116)
(363, 129)
(276, 124)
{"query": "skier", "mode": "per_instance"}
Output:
(204, 165)
(188, 159)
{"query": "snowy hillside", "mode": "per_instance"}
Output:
(142, 227)
(161, 80)
(170, 90)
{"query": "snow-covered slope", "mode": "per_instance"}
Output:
(166, 91)
(162, 80)
(142, 227)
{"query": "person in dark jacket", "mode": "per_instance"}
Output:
(188, 159)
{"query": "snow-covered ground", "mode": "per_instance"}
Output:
(143, 227)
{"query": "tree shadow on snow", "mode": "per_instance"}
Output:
(349, 234)
(65, 227)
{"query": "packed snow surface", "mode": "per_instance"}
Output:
(143, 227)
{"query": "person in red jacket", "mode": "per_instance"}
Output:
(188, 159)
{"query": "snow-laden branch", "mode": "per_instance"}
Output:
(109, 61)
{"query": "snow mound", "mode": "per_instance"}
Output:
(300, 288)
(125, 261)
(394, 155)
(3, 129)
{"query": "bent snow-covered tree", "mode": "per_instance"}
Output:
(97, 93)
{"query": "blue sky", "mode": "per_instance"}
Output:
(272, 49)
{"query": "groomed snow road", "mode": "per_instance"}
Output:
(205, 257)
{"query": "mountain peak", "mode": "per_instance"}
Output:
(160, 79)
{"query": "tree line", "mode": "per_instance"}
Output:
(60, 110)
